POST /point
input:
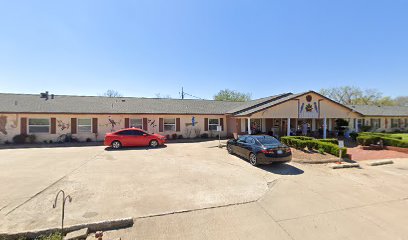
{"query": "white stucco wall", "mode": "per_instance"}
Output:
(12, 125)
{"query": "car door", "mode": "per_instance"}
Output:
(239, 146)
(247, 146)
(138, 138)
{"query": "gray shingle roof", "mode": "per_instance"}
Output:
(29, 103)
(372, 110)
(253, 103)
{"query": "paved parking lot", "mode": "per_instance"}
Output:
(197, 191)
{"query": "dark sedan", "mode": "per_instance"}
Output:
(259, 149)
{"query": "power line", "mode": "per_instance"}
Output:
(188, 94)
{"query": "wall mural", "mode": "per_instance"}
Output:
(62, 125)
(309, 109)
(112, 123)
(3, 124)
(152, 124)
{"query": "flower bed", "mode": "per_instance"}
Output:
(327, 145)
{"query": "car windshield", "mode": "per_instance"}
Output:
(267, 140)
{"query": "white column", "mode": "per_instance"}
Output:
(249, 125)
(324, 127)
(356, 124)
(330, 124)
(288, 127)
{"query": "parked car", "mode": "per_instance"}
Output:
(133, 137)
(259, 149)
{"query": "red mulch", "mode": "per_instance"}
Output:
(357, 153)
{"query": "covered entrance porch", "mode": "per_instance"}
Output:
(307, 114)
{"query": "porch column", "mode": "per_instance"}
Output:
(288, 127)
(324, 127)
(330, 124)
(356, 124)
(249, 125)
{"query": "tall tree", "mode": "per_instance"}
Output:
(353, 95)
(401, 101)
(232, 95)
(112, 93)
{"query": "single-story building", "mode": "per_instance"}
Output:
(90, 117)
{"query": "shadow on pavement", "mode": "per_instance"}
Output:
(282, 169)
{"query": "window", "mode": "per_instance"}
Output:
(131, 133)
(213, 123)
(169, 124)
(84, 125)
(250, 141)
(375, 123)
(136, 122)
(394, 123)
(39, 125)
(241, 139)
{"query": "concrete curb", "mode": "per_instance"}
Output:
(92, 227)
(315, 161)
(380, 162)
(344, 165)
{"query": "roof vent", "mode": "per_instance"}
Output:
(44, 95)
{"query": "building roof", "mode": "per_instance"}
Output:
(244, 106)
(30, 103)
(373, 110)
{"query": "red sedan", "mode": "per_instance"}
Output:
(133, 137)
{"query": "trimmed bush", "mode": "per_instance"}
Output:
(204, 135)
(24, 138)
(366, 139)
(326, 145)
(174, 136)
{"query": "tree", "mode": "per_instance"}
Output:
(353, 95)
(232, 95)
(159, 95)
(112, 93)
(401, 101)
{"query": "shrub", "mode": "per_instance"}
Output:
(50, 141)
(7, 142)
(354, 135)
(88, 140)
(20, 138)
(180, 136)
(365, 128)
(167, 136)
(174, 136)
(329, 146)
(321, 150)
(329, 140)
(204, 135)
(31, 138)
(367, 140)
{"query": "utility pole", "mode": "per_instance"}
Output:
(182, 93)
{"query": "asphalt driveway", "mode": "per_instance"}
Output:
(198, 191)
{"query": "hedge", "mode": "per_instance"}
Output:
(366, 139)
(328, 145)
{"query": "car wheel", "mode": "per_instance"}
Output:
(154, 143)
(229, 149)
(253, 159)
(116, 145)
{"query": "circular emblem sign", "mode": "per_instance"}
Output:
(309, 98)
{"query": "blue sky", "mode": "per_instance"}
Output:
(141, 48)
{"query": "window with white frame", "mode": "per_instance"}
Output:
(169, 124)
(213, 123)
(136, 123)
(395, 122)
(84, 125)
(38, 125)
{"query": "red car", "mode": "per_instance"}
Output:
(133, 137)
